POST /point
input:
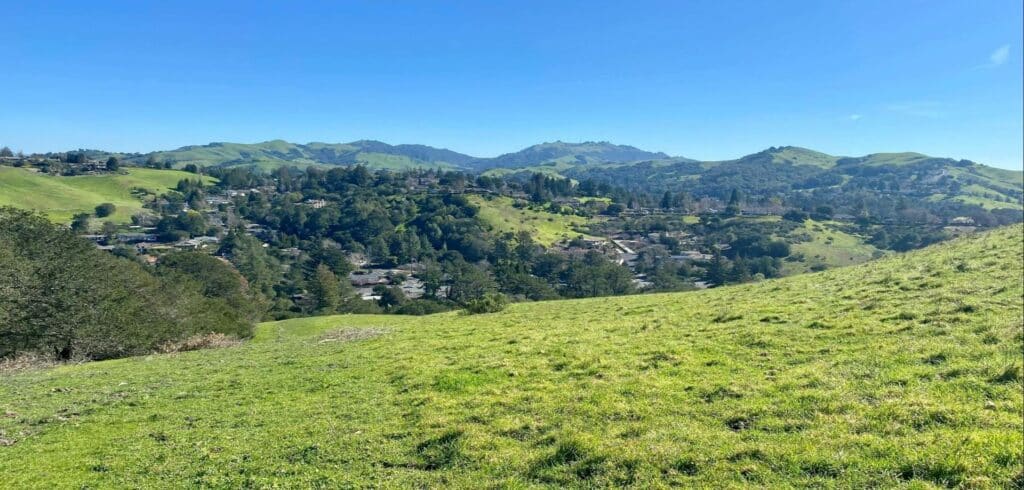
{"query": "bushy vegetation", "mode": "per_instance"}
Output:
(904, 372)
(491, 302)
(62, 297)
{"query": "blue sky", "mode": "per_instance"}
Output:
(703, 79)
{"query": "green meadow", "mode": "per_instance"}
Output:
(824, 244)
(545, 227)
(59, 198)
(903, 372)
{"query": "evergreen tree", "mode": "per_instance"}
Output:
(733, 208)
(717, 270)
(251, 259)
(324, 290)
(739, 272)
(666, 200)
(432, 277)
(467, 282)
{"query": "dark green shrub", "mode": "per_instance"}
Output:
(105, 209)
(490, 302)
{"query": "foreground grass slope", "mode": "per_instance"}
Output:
(59, 198)
(905, 372)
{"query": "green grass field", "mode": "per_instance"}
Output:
(905, 372)
(828, 247)
(546, 228)
(60, 198)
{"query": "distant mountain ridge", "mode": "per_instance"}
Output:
(774, 171)
(558, 155)
(276, 153)
(790, 170)
(588, 152)
(380, 155)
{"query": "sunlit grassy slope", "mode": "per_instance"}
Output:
(824, 244)
(60, 198)
(270, 155)
(546, 228)
(905, 372)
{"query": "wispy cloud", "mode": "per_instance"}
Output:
(931, 110)
(998, 57)
(855, 117)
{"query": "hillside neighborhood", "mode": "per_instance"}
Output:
(623, 235)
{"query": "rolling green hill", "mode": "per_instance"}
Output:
(793, 155)
(546, 228)
(276, 153)
(567, 154)
(559, 157)
(789, 171)
(775, 170)
(904, 372)
(826, 245)
(60, 198)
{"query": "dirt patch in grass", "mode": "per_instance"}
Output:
(199, 342)
(26, 362)
(350, 334)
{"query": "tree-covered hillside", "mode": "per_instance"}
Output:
(799, 176)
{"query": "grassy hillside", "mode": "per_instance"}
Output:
(553, 168)
(61, 197)
(276, 153)
(546, 228)
(773, 171)
(944, 185)
(904, 372)
(985, 186)
(988, 187)
(785, 154)
(560, 155)
(824, 244)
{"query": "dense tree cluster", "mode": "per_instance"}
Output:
(325, 215)
(61, 296)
